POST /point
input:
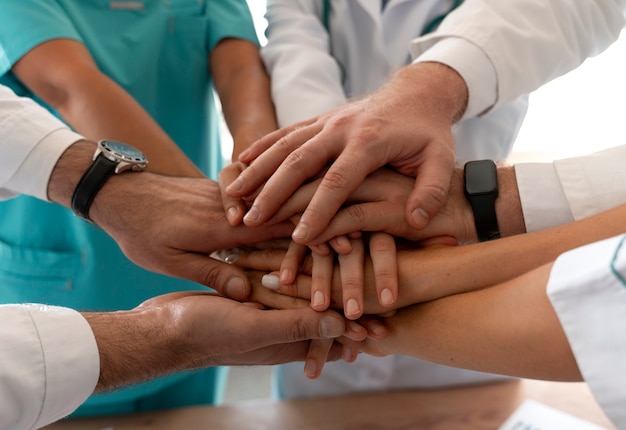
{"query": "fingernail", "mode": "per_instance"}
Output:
(300, 232)
(232, 214)
(285, 277)
(343, 242)
(377, 328)
(318, 299)
(331, 327)
(270, 281)
(386, 297)
(420, 217)
(352, 307)
(236, 288)
(310, 369)
(252, 215)
(231, 258)
(347, 354)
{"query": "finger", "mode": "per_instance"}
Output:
(341, 179)
(316, 357)
(292, 325)
(271, 163)
(268, 260)
(291, 262)
(226, 279)
(383, 255)
(273, 298)
(351, 271)
(261, 145)
(341, 244)
(234, 207)
(376, 329)
(431, 188)
(306, 161)
(350, 351)
(321, 281)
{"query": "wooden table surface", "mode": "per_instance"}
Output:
(467, 408)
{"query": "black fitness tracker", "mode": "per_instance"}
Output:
(110, 158)
(481, 190)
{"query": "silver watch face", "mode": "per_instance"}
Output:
(124, 153)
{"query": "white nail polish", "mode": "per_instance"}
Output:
(270, 281)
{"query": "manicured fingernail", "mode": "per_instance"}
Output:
(386, 297)
(420, 217)
(331, 327)
(270, 281)
(285, 277)
(236, 288)
(310, 369)
(352, 307)
(232, 214)
(376, 328)
(252, 215)
(231, 258)
(318, 299)
(300, 232)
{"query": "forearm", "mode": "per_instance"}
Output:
(509, 329)
(134, 346)
(244, 90)
(432, 273)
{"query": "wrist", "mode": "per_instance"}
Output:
(508, 204)
(68, 170)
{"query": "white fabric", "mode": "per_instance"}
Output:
(571, 189)
(587, 288)
(31, 142)
(49, 364)
(367, 47)
(529, 42)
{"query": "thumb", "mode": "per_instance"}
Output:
(430, 191)
(226, 279)
(293, 325)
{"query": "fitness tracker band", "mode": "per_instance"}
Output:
(481, 190)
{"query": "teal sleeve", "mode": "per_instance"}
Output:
(24, 24)
(229, 18)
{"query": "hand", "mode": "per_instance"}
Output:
(410, 130)
(174, 224)
(378, 205)
(197, 329)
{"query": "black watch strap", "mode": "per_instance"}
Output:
(89, 185)
(481, 190)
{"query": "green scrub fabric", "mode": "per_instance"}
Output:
(158, 51)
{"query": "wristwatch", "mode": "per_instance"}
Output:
(110, 158)
(481, 190)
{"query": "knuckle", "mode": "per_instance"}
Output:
(299, 330)
(357, 213)
(334, 180)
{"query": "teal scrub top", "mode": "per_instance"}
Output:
(158, 52)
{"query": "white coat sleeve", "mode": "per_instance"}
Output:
(572, 188)
(306, 79)
(31, 142)
(49, 364)
(587, 289)
(528, 42)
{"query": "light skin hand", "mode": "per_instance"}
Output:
(187, 330)
(410, 130)
(172, 224)
(96, 106)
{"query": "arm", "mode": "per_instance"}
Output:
(306, 79)
(95, 106)
(244, 90)
(549, 39)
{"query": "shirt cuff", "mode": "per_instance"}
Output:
(469, 61)
(32, 177)
(544, 203)
(72, 360)
(587, 290)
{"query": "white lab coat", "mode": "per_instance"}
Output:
(587, 289)
(312, 73)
